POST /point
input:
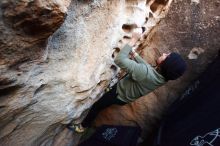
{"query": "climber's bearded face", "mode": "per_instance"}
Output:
(162, 58)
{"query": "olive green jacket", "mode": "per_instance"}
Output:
(142, 78)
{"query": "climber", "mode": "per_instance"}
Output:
(142, 78)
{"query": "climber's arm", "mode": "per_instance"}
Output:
(137, 70)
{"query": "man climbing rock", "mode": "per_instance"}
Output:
(141, 79)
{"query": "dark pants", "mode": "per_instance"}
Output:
(108, 99)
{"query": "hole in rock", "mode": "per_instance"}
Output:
(113, 55)
(150, 15)
(117, 49)
(162, 2)
(129, 27)
(146, 19)
(140, 45)
(113, 67)
(157, 3)
(120, 41)
(143, 29)
(126, 37)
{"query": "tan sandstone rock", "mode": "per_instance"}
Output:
(55, 62)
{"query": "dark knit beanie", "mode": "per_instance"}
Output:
(173, 67)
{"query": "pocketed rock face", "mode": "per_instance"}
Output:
(188, 25)
(47, 83)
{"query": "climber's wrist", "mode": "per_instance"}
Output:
(133, 52)
(132, 42)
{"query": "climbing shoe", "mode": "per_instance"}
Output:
(78, 128)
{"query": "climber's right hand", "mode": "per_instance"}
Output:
(135, 37)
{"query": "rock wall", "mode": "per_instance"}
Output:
(190, 28)
(55, 63)
(56, 58)
(25, 27)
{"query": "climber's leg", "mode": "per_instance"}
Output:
(108, 99)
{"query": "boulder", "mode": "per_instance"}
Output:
(56, 59)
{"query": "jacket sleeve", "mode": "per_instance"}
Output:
(138, 71)
(140, 60)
